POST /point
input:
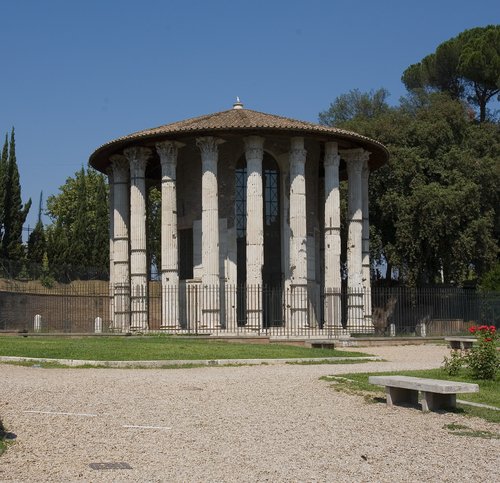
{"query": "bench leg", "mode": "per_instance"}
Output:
(397, 395)
(432, 401)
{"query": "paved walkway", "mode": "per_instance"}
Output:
(250, 423)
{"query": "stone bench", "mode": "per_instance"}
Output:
(320, 344)
(463, 343)
(436, 394)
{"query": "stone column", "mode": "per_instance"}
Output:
(111, 207)
(254, 153)
(210, 316)
(138, 157)
(167, 151)
(333, 282)
(298, 231)
(366, 278)
(121, 262)
(355, 310)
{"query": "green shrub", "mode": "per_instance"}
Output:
(455, 363)
(483, 360)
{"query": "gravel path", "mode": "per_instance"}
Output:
(215, 424)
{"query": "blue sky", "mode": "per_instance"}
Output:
(75, 74)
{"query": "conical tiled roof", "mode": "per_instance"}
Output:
(234, 121)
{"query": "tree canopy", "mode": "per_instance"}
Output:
(78, 238)
(355, 104)
(466, 66)
(433, 207)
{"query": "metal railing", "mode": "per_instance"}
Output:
(286, 311)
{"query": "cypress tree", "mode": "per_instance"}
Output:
(3, 175)
(14, 211)
(37, 244)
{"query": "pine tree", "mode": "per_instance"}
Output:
(14, 212)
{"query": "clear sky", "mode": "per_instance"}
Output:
(76, 74)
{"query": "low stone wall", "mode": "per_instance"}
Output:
(63, 313)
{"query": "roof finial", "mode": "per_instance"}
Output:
(238, 104)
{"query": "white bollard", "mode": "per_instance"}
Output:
(37, 323)
(392, 330)
(98, 325)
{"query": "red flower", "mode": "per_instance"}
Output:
(472, 329)
(493, 329)
(483, 327)
(488, 339)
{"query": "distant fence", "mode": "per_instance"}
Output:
(62, 309)
(444, 311)
(87, 307)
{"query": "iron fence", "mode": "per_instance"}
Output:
(282, 311)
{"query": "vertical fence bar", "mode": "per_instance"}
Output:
(74, 308)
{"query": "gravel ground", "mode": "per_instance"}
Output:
(215, 424)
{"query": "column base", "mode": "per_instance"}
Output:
(210, 319)
(357, 321)
(361, 329)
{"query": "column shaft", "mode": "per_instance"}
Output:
(111, 207)
(254, 153)
(210, 232)
(138, 157)
(121, 262)
(366, 277)
(169, 250)
(298, 229)
(333, 283)
(355, 159)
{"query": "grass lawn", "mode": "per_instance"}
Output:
(489, 391)
(153, 348)
(3, 446)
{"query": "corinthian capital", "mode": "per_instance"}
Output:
(120, 168)
(168, 150)
(353, 155)
(297, 152)
(254, 147)
(208, 146)
(355, 158)
(138, 158)
(332, 157)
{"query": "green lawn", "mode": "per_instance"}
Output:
(153, 348)
(489, 391)
(3, 446)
